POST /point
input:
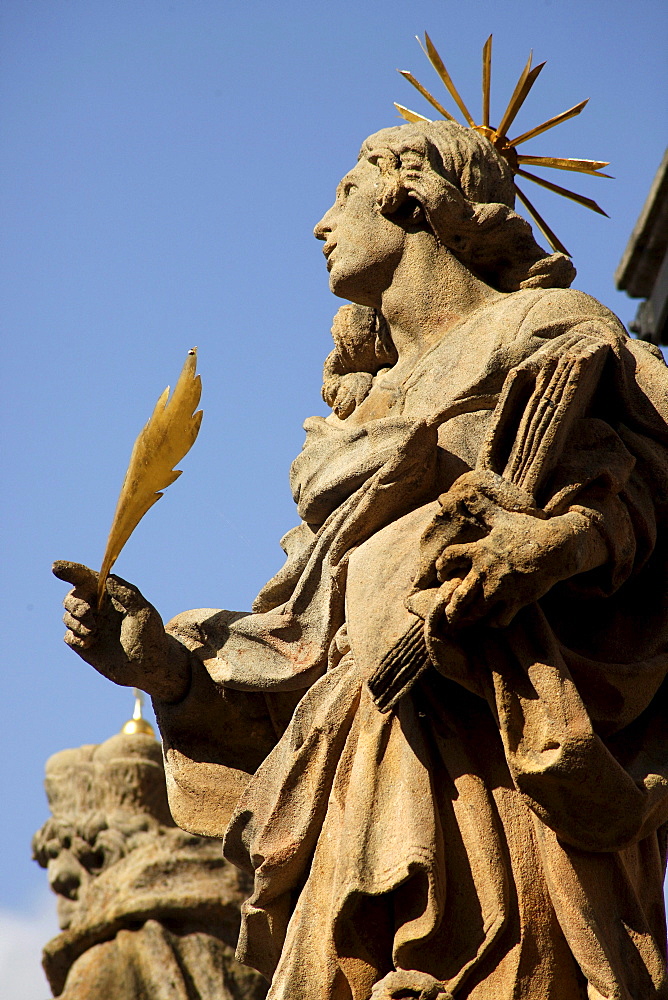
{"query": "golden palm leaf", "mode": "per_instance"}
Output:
(169, 435)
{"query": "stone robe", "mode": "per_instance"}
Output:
(503, 828)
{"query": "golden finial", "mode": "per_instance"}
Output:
(138, 724)
(499, 136)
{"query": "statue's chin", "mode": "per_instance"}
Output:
(347, 288)
(337, 282)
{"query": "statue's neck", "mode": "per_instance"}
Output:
(431, 291)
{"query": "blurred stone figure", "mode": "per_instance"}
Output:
(147, 911)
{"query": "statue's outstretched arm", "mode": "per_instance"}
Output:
(213, 738)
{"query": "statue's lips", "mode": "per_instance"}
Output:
(328, 250)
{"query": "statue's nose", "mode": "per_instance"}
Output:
(65, 874)
(324, 227)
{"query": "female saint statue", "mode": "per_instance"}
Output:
(439, 743)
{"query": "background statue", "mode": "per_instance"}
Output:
(445, 718)
(145, 909)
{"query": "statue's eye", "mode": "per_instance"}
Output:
(86, 854)
(52, 849)
(91, 860)
(346, 188)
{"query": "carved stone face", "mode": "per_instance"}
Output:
(362, 246)
(72, 862)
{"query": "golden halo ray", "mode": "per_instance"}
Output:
(549, 235)
(592, 167)
(425, 93)
(579, 198)
(411, 116)
(436, 61)
(486, 80)
(557, 120)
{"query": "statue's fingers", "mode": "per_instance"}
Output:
(503, 615)
(454, 558)
(76, 626)
(78, 642)
(81, 577)
(454, 552)
(77, 606)
(126, 595)
(447, 589)
(461, 606)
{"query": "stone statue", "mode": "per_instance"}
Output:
(439, 744)
(145, 909)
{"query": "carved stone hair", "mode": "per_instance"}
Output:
(466, 191)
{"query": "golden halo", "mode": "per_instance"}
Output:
(499, 136)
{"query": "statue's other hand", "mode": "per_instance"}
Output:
(125, 639)
(516, 563)
(409, 985)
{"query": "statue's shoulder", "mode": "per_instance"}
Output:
(557, 314)
(563, 308)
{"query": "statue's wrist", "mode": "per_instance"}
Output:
(171, 681)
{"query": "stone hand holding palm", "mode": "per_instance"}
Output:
(125, 639)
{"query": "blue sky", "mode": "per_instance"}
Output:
(163, 165)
